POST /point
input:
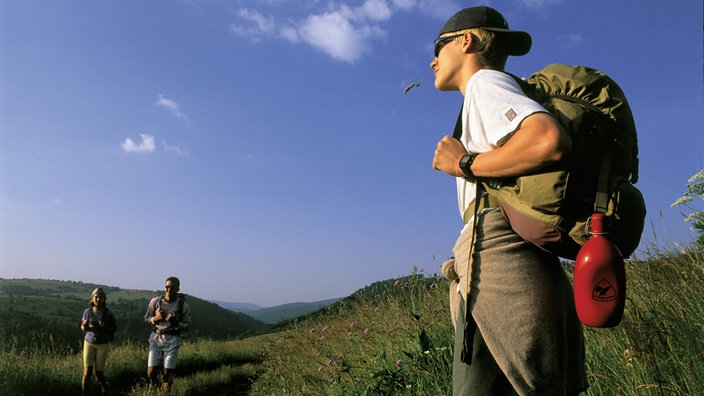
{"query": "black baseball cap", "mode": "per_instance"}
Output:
(517, 42)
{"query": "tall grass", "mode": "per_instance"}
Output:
(395, 338)
(35, 370)
(659, 347)
(205, 368)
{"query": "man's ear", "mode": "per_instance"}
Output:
(468, 42)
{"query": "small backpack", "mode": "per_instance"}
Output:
(551, 208)
(179, 309)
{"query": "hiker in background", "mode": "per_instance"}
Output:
(99, 324)
(169, 315)
(517, 331)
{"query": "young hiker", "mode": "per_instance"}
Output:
(168, 315)
(99, 324)
(517, 331)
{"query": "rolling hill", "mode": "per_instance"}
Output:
(48, 312)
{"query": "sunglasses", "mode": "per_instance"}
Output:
(441, 42)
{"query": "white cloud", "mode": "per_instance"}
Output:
(337, 35)
(171, 106)
(373, 10)
(441, 9)
(571, 40)
(342, 32)
(258, 25)
(146, 145)
(404, 4)
(173, 149)
(289, 33)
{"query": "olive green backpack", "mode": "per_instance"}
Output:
(551, 208)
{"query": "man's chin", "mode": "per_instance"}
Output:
(440, 86)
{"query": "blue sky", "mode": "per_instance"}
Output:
(264, 151)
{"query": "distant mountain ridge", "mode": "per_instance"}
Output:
(273, 315)
(237, 306)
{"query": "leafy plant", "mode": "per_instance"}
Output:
(695, 188)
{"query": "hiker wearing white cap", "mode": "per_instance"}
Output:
(99, 325)
(517, 331)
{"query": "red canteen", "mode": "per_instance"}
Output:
(599, 279)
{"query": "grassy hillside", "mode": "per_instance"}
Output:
(48, 312)
(394, 338)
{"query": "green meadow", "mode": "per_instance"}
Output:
(393, 337)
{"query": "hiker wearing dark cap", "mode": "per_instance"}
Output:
(99, 325)
(169, 315)
(517, 331)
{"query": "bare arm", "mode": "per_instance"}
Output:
(538, 142)
(152, 315)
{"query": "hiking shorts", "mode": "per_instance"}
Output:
(528, 339)
(166, 353)
(95, 355)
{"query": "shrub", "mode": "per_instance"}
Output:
(695, 187)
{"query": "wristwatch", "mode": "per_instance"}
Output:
(466, 165)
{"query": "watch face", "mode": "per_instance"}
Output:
(463, 163)
(466, 160)
(466, 164)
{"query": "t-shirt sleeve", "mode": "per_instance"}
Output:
(501, 106)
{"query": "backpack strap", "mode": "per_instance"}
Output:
(601, 198)
(470, 325)
(179, 315)
(179, 310)
(482, 200)
(457, 133)
(578, 101)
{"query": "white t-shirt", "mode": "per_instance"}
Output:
(494, 106)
